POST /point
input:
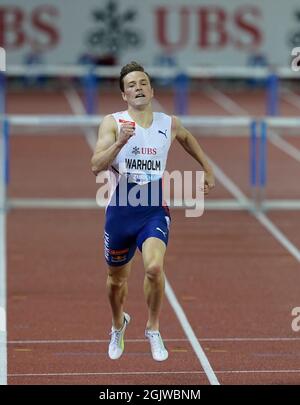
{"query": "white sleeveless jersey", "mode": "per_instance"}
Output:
(143, 158)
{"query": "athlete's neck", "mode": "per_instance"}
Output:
(143, 118)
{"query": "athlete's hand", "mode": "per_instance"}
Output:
(126, 132)
(209, 182)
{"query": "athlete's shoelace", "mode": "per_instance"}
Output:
(116, 336)
(156, 342)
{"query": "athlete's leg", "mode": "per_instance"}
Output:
(117, 291)
(153, 251)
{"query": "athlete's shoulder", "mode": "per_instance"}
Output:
(109, 118)
(108, 122)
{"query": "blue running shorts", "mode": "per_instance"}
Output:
(127, 228)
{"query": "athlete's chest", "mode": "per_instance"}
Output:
(148, 143)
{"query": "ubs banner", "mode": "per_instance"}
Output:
(185, 32)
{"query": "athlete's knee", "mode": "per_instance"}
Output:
(154, 271)
(116, 281)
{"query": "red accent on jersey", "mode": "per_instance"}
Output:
(127, 122)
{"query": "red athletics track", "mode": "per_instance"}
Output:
(235, 282)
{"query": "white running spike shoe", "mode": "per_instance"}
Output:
(116, 345)
(158, 350)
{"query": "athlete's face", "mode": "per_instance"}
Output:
(137, 89)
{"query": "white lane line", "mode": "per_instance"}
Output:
(235, 109)
(278, 235)
(3, 332)
(261, 217)
(188, 330)
(291, 97)
(90, 341)
(117, 373)
(78, 109)
(173, 300)
(285, 146)
(229, 184)
(225, 102)
(134, 373)
(257, 371)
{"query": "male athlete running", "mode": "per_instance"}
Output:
(133, 146)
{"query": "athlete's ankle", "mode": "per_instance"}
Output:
(118, 323)
(152, 326)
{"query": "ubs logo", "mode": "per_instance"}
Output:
(144, 151)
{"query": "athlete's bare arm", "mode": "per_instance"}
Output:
(109, 143)
(190, 144)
